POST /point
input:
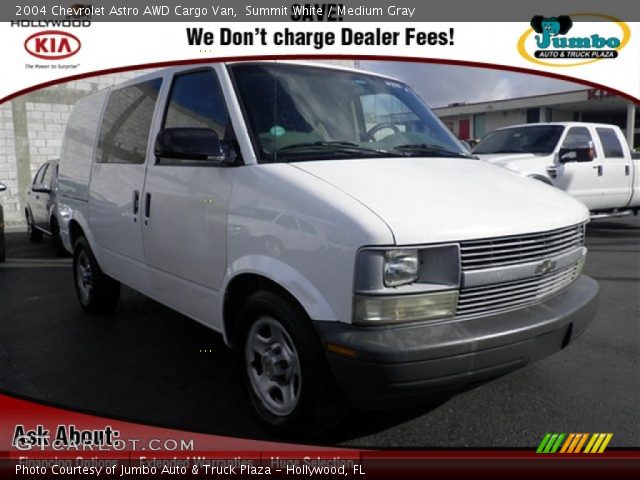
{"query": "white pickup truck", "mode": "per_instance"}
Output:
(590, 161)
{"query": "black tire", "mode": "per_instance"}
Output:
(320, 405)
(56, 240)
(33, 233)
(97, 292)
(3, 248)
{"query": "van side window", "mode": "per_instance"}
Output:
(124, 132)
(610, 143)
(196, 101)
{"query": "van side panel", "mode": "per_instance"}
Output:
(78, 147)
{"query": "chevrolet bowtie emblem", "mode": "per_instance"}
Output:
(546, 267)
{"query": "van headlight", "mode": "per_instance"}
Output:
(396, 284)
(400, 267)
(385, 309)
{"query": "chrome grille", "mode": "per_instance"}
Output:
(507, 296)
(497, 252)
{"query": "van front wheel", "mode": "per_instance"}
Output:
(97, 292)
(286, 373)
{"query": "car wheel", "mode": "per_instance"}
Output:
(97, 292)
(58, 246)
(286, 373)
(33, 233)
(3, 248)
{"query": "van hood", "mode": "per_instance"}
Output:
(426, 200)
(505, 158)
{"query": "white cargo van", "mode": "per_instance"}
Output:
(328, 225)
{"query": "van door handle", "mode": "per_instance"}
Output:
(136, 204)
(627, 170)
(599, 168)
(147, 206)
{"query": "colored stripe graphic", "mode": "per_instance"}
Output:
(571, 439)
(573, 443)
(583, 440)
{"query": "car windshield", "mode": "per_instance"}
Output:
(298, 113)
(539, 139)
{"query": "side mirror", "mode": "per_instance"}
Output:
(579, 154)
(191, 144)
(3, 187)
(40, 188)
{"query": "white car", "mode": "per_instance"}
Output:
(590, 161)
(418, 270)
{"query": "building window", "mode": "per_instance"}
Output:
(478, 125)
(533, 115)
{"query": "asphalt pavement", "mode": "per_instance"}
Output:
(151, 365)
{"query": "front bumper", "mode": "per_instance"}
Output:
(407, 364)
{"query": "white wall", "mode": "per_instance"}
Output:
(494, 120)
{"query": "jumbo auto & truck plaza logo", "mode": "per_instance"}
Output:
(562, 41)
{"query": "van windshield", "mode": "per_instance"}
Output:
(538, 139)
(298, 113)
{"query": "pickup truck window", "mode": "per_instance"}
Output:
(124, 132)
(577, 137)
(298, 113)
(610, 143)
(538, 139)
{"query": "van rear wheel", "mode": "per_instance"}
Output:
(285, 370)
(97, 292)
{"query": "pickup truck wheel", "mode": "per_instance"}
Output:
(97, 292)
(33, 233)
(286, 372)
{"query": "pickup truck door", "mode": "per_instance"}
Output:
(617, 172)
(185, 203)
(579, 169)
(117, 181)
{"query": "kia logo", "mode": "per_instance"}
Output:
(52, 45)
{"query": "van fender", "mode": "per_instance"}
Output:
(287, 277)
(78, 217)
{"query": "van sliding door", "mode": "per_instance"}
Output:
(118, 178)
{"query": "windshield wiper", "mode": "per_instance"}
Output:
(422, 148)
(336, 146)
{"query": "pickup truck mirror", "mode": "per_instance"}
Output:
(3, 187)
(581, 154)
(40, 188)
(193, 144)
